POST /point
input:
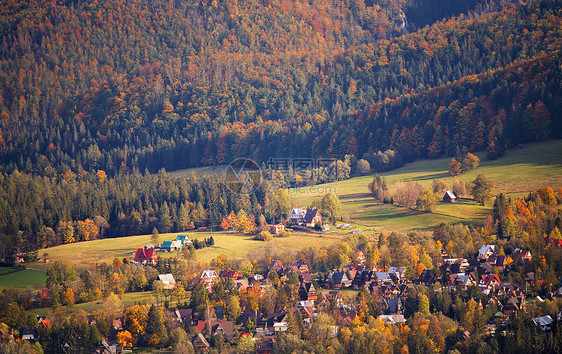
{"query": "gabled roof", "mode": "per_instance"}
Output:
(209, 274)
(183, 315)
(145, 254)
(393, 319)
(276, 264)
(297, 212)
(543, 321)
(310, 214)
(489, 278)
(339, 277)
(167, 278)
(486, 249)
(450, 194)
(392, 304)
(199, 338)
(182, 238)
(382, 276)
(167, 244)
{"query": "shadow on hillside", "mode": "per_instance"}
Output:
(354, 196)
(432, 176)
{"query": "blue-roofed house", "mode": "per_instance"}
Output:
(170, 246)
(183, 240)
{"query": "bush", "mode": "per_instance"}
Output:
(284, 233)
(263, 236)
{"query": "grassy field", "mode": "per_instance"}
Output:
(128, 299)
(234, 245)
(23, 279)
(517, 173)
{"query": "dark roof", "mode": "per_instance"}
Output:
(219, 312)
(251, 315)
(226, 327)
(392, 304)
(310, 214)
(185, 314)
(337, 277)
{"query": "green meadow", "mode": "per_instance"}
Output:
(23, 279)
(234, 245)
(517, 173)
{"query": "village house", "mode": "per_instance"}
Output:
(183, 240)
(486, 251)
(226, 328)
(449, 197)
(146, 256)
(182, 316)
(488, 282)
(307, 292)
(544, 323)
(168, 281)
(338, 280)
(275, 265)
(106, 348)
(170, 246)
(312, 218)
(231, 274)
(392, 306)
(362, 278)
(277, 322)
(209, 277)
(276, 229)
(297, 216)
(393, 319)
(200, 343)
(524, 256)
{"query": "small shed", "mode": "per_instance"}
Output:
(449, 197)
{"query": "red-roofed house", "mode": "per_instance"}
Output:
(275, 265)
(488, 282)
(146, 256)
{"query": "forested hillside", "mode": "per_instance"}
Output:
(119, 85)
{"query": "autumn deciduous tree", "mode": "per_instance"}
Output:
(378, 188)
(363, 166)
(224, 224)
(454, 167)
(427, 201)
(331, 204)
(481, 189)
(125, 339)
(408, 194)
(470, 162)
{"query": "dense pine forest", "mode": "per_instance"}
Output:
(150, 85)
(100, 101)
